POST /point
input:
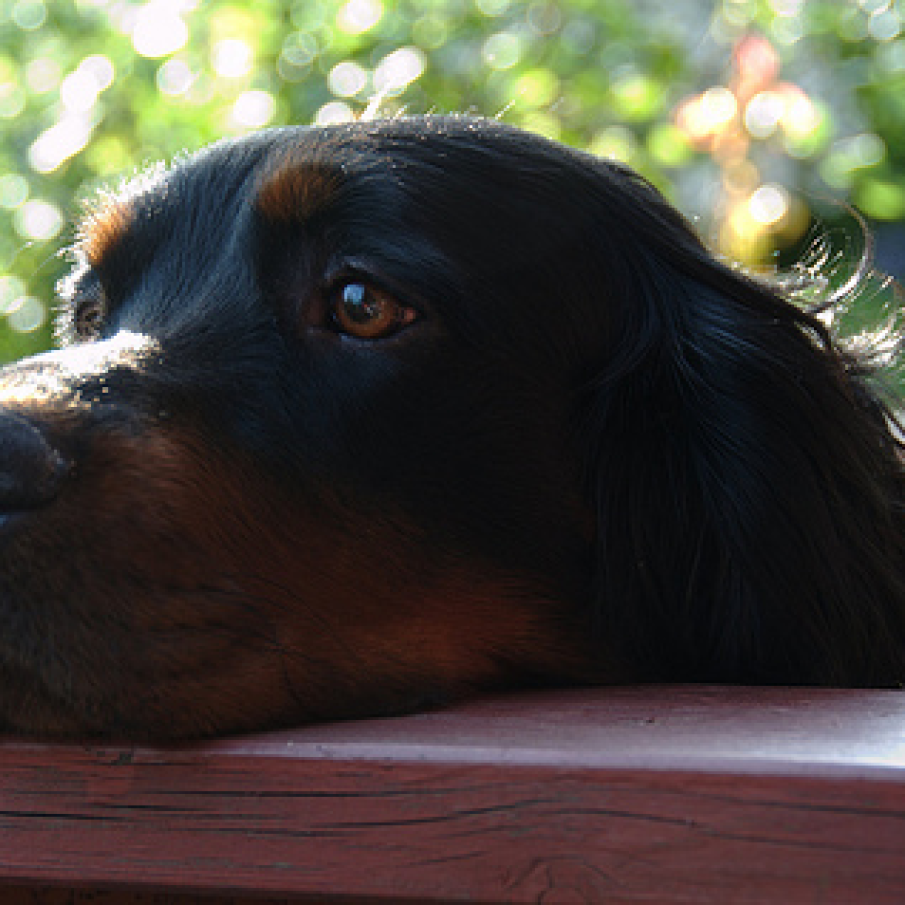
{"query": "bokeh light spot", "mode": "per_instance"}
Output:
(398, 69)
(885, 24)
(232, 58)
(668, 146)
(159, 30)
(537, 88)
(882, 199)
(175, 78)
(718, 107)
(614, 143)
(253, 109)
(358, 16)
(26, 314)
(492, 8)
(332, 113)
(786, 7)
(502, 50)
(347, 79)
(299, 48)
(764, 112)
(636, 96)
(38, 220)
(768, 205)
(29, 15)
(852, 25)
(13, 190)
(430, 32)
(42, 74)
(79, 91)
(800, 118)
(859, 151)
(808, 127)
(100, 68)
(544, 18)
(60, 142)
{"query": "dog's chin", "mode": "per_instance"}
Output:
(155, 649)
(206, 662)
(231, 695)
(233, 699)
(80, 699)
(37, 716)
(182, 609)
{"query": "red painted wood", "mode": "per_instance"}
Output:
(617, 795)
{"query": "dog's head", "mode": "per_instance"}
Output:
(349, 420)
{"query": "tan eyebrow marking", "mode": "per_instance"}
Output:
(109, 215)
(297, 190)
(105, 222)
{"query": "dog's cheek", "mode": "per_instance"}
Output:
(120, 593)
(175, 593)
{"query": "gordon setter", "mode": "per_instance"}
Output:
(357, 419)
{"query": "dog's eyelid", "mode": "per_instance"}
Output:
(353, 270)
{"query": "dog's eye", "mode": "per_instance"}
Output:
(366, 312)
(88, 318)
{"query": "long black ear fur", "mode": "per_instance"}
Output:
(748, 484)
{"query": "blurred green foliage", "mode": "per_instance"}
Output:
(741, 110)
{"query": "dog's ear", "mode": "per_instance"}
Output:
(747, 489)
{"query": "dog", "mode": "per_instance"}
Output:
(356, 420)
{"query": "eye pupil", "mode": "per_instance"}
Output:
(361, 306)
(368, 312)
(89, 318)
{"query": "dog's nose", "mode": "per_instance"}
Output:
(31, 470)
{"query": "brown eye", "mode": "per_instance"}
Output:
(366, 312)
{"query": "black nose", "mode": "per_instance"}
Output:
(31, 470)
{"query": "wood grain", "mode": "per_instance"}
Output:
(606, 795)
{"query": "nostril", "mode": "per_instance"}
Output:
(31, 470)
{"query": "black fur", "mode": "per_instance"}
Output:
(679, 474)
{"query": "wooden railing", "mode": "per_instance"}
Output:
(653, 795)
